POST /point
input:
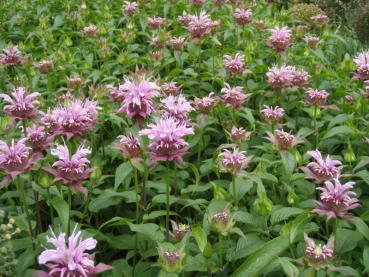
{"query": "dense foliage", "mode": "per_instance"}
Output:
(181, 138)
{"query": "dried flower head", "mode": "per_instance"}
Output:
(45, 66)
(177, 43)
(156, 22)
(312, 41)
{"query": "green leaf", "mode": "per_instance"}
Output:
(62, 209)
(156, 214)
(257, 262)
(121, 173)
(362, 227)
(150, 230)
(339, 130)
(110, 198)
(289, 268)
(284, 214)
(289, 162)
(298, 225)
(200, 237)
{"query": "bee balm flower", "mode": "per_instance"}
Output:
(316, 97)
(37, 138)
(318, 256)
(71, 169)
(233, 162)
(205, 104)
(22, 105)
(130, 8)
(168, 143)
(222, 222)
(233, 97)
(280, 39)
(179, 230)
(177, 107)
(242, 17)
(11, 56)
(69, 258)
(156, 22)
(199, 26)
(283, 140)
(272, 115)
(129, 146)
(280, 77)
(234, 65)
(321, 170)
(336, 200)
(362, 64)
(15, 159)
(171, 260)
(90, 31)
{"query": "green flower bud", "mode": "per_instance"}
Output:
(263, 205)
(222, 222)
(171, 259)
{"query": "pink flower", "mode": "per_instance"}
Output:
(362, 64)
(272, 115)
(283, 140)
(321, 170)
(157, 55)
(76, 117)
(312, 41)
(90, 31)
(129, 146)
(300, 78)
(71, 169)
(171, 88)
(37, 138)
(184, 19)
(74, 82)
(280, 39)
(138, 94)
(168, 143)
(280, 77)
(336, 200)
(233, 162)
(239, 135)
(318, 256)
(50, 121)
(11, 56)
(15, 159)
(242, 17)
(177, 43)
(130, 8)
(205, 104)
(234, 65)
(22, 105)
(157, 42)
(320, 19)
(69, 258)
(177, 107)
(45, 66)
(199, 26)
(156, 22)
(116, 93)
(316, 97)
(179, 230)
(233, 97)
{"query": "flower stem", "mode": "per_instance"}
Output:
(70, 209)
(221, 251)
(167, 198)
(235, 200)
(50, 206)
(20, 188)
(316, 129)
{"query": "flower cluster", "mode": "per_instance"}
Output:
(233, 96)
(130, 8)
(287, 76)
(272, 115)
(362, 65)
(242, 17)
(177, 107)
(280, 39)
(234, 65)
(167, 135)
(11, 56)
(233, 162)
(199, 25)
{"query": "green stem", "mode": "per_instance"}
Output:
(235, 200)
(50, 206)
(167, 198)
(70, 209)
(20, 188)
(221, 251)
(316, 129)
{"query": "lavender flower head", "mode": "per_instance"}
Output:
(242, 17)
(90, 31)
(171, 88)
(280, 39)
(71, 169)
(129, 146)
(300, 78)
(234, 65)
(280, 77)
(171, 260)
(283, 140)
(318, 256)
(239, 135)
(11, 56)
(138, 94)
(272, 115)
(336, 200)
(69, 258)
(199, 26)
(167, 136)
(233, 162)
(362, 65)
(37, 138)
(156, 22)
(74, 82)
(179, 230)
(321, 170)
(130, 8)
(76, 117)
(116, 93)
(312, 41)
(177, 43)
(177, 107)
(15, 159)
(21, 105)
(205, 104)
(316, 97)
(233, 97)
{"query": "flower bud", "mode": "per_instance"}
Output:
(170, 259)
(263, 205)
(222, 222)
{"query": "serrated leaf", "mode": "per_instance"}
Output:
(62, 210)
(121, 173)
(284, 214)
(289, 268)
(339, 130)
(362, 227)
